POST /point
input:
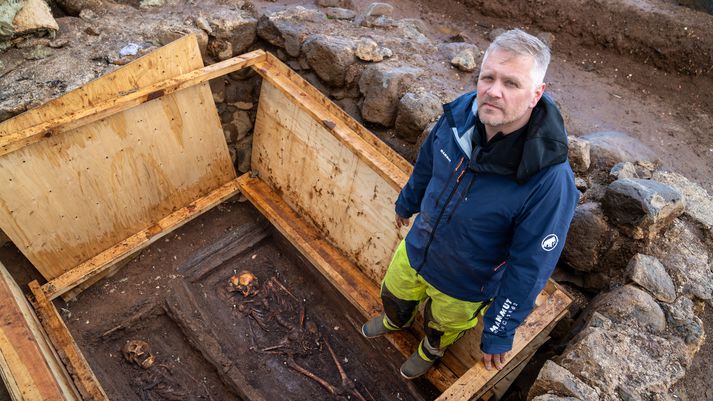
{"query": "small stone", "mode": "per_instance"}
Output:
(623, 170)
(244, 105)
(244, 151)
(92, 30)
(630, 305)
(579, 154)
(202, 23)
(461, 37)
(220, 49)
(368, 50)
(642, 208)
(38, 53)
(649, 273)
(699, 203)
(379, 9)
(558, 380)
(340, 13)
(87, 14)
(465, 61)
(381, 21)
(151, 3)
(415, 112)
(242, 123)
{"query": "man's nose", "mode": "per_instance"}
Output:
(495, 90)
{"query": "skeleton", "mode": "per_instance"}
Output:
(302, 337)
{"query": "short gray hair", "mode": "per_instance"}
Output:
(521, 43)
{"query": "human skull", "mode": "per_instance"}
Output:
(138, 352)
(245, 282)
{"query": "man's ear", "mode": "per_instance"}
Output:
(539, 91)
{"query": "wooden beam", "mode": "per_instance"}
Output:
(58, 333)
(394, 169)
(477, 381)
(138, 241)
(29, 366)
(12, 141)
(354, 285)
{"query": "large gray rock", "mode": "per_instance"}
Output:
(699, 203)
(683, 321)
(416, 111)
(382, 86)
(579, 154)
(589, 234)
(611, 147)
(379, 9)
(235, 27)
(686, 258)
(642, 208)
(288, 28)
(330, 57)
(631, 306)
(650, 274)
(623, 362)
(340, 13)
(451, 50)
(556, 380)
(74, 7)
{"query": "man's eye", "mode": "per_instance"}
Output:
(486, 78)
(512, 84)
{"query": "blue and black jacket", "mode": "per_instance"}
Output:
(486, 230)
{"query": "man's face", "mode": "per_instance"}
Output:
(506, 91)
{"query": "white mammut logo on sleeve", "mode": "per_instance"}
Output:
(550, 242)
(443, 152)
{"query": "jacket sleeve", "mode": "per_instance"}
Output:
(538, 239)
(409, 200)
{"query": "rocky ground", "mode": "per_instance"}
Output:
(632, 78)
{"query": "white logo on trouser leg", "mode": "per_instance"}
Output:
(550, 242)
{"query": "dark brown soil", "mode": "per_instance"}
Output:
(198, 329)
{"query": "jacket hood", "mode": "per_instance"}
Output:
(545, 139)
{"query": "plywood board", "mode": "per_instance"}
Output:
(71, 196)
(337, 191)
(29, 366)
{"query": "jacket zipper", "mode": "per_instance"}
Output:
(448, 181)
(440, 215)
(462, 196)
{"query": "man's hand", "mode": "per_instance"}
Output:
(401, 222)
(497, 359)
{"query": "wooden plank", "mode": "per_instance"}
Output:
(72, 196)
(29, 366)
(78, 367)
(351, 282)
(390, 166)
(333, 187)
(138, 241)
(476, 381)
(12, 141)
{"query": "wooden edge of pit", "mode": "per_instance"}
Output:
(102, 262)
(12, 141)
(351, 282)
(393, 168)
(68, 351)
(477, 381)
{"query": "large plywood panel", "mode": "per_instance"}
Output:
(69, 197)
(350, 203)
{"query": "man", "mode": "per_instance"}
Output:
(495, 196)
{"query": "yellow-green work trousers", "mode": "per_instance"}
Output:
(445, 318)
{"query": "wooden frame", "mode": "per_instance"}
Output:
(322, 179)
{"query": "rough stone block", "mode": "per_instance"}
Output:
(556, 380)
(382, 86)
(579, 154)
(330, 57)
(650, 274)
(631, 306)
(589, 233)
(642, 208)
(415, 112)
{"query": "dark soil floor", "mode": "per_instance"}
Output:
(209, 343)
